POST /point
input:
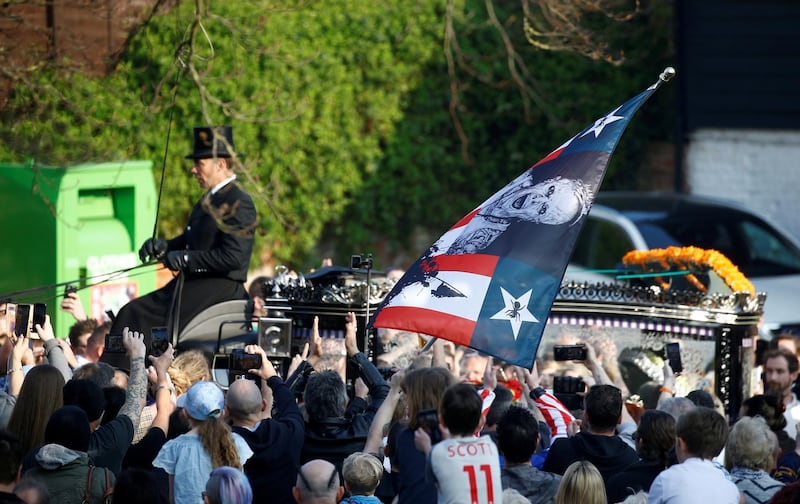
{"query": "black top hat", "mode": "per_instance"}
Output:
(205, 140)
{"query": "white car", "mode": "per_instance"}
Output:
(622, 221)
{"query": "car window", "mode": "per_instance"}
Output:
(754, 247)
(769, 254)
(601, 245)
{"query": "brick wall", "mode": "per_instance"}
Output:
(85, 32)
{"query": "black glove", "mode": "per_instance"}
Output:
(177, 260)
(153, 248)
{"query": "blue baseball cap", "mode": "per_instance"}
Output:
(202, 401)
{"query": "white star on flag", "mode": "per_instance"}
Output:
(601, 123)
(515, 311)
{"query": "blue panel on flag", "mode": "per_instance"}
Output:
(515, 312)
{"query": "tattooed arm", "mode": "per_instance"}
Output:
(137, 382)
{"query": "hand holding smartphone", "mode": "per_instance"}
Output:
(673, 351)
(159, 341)
(39, 315)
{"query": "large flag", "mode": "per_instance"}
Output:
(490, 280)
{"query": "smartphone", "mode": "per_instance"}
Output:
(114, 344)
(39, 315)
(11, 318)
(159, 341)
(68, 289)
(22, 326)
(242, 361)
(429, 420)
(674, 357)
(569, 352)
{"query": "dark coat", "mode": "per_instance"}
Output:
(609, 454)
(218, 240)
(635, 478)
(333, 439)
(276, 445)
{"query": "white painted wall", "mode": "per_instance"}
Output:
(759, 169)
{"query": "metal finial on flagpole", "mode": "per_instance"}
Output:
(667, 74)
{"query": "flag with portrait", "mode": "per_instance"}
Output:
(490, 280)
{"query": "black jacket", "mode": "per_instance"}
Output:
(333, 439)
(609, 453)
(276, 445)
(218, 240)
(219, 235)
(636, 477)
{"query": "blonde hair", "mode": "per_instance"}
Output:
(188, 367)
(218, 442)
(362, 472)
(582, 483)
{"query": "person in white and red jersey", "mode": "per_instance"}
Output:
(465, 468)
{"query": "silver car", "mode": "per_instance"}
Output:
(622, 221)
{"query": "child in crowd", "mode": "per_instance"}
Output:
(190, 458)
(465, 468)
(362, 474)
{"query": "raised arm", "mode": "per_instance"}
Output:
(52, 350)
(378, 388)
(14, 369)
(136, 397)
(164, 390)
(384, 415)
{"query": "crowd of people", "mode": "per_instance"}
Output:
(81, 424)
(451, 426)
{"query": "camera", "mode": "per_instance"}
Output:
(358, 262)
(159, 341)
(569, 352)
(242, 361)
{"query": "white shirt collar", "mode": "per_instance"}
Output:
(222, 184)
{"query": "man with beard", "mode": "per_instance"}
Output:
(780, 373)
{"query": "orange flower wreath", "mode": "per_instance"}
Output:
(691, 259)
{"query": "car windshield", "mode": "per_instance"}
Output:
(757, 249)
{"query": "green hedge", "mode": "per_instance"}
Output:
(341, 110)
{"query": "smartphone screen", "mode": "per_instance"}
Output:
(114, 344)
(39, 314)
(242, 361)
(674, 357)
(22, 327)
(569, 352)
(159, 341)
